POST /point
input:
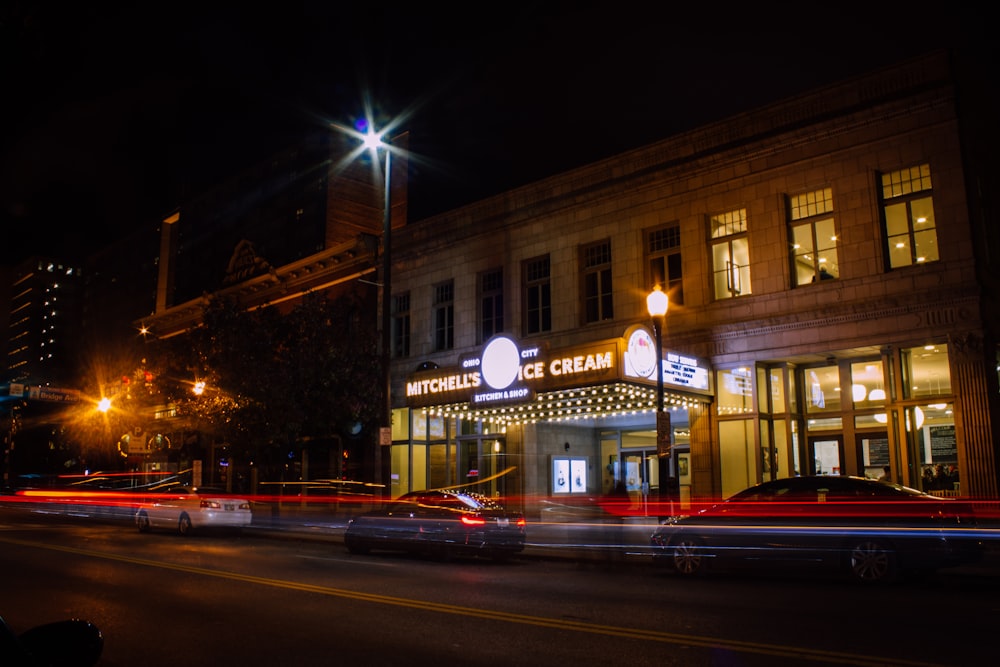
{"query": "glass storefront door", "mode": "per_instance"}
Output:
(827, 453)
(482, 461)
(641, 474)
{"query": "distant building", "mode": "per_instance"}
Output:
(44, 322)
(307, 221)
(41, 365)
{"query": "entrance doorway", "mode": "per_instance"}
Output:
(641, 474)
(482, 461)
(826, 455)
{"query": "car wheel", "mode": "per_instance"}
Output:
(184, 525)
(687, 556)
(872, 561)
(142, 522)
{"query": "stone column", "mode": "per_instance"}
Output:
(976, 404)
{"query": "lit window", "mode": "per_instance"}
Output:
(926, 371)
(813, 237)
(730, 254)
(908, 208)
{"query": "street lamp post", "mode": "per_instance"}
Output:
(375, 142)
(657, 304)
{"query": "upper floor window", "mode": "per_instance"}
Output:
(910, 231)
(537, 295)
(444, 315)
(400, 325)
(597, 297)
(663, 258)
(490, 285)
(730, 254)
(814, 237)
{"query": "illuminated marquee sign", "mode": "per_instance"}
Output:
(678, 370)
(506, 372)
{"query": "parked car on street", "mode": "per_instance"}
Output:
(442, 523)
(188, 508)
(874, 531)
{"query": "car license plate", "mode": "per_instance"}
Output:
(503, 523)
(229, 508)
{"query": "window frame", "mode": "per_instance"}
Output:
(444, 315)
(400, 326)
(490, 297)
(596, 282)
(904, 187)
(734, 227)
(536, 281)
(806, 212)
(662, 247)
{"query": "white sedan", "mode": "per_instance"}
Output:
(188, 508)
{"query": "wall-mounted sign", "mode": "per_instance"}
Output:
(54, 394)
(678, 370)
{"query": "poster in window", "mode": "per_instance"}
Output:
(578, 476)
(560, 476)
(569, 475)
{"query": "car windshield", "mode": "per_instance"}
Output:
(450, 500)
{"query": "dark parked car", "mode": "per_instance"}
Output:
(442, 523)
(874, 531)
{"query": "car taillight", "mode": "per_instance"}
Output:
(521, 522)
(473, 521)
(210, 504)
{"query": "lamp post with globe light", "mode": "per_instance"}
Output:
(657, 304)
(372, 141)
(375, 142)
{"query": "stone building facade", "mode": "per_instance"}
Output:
(828, 261)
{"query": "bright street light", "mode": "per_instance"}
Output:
(374, 142)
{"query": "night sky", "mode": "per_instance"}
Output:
(111, 112)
